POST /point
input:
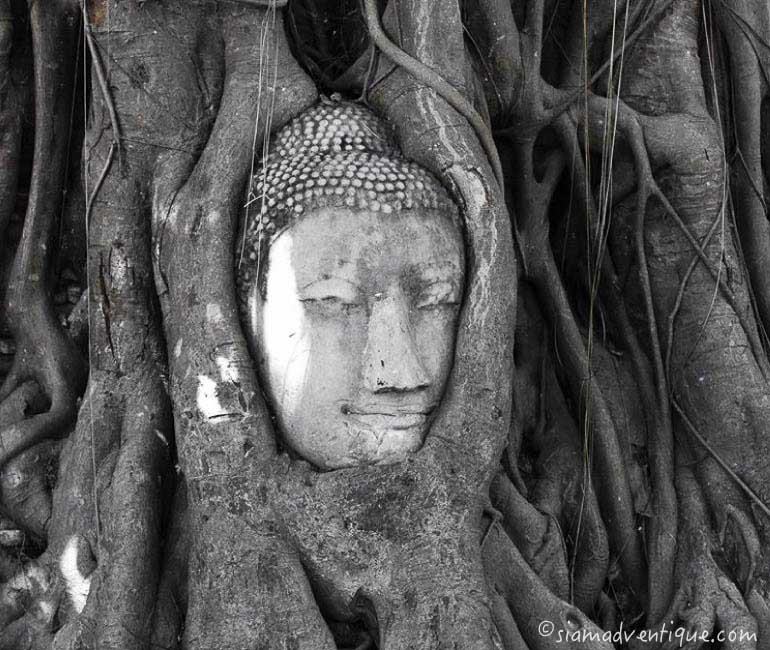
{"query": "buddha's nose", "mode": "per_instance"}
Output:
(391, 362)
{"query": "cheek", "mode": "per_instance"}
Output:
(311, 362)
(434, 335)
(284, 351)
(334, 369)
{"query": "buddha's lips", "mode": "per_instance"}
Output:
(390, 421)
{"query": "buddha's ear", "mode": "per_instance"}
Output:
(472, 426)
(251, 316)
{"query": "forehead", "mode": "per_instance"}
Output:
(373, 242)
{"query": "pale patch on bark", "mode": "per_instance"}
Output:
(78, 585)
(214, 313)
(207, 400)
(227, 370)
(46, 610)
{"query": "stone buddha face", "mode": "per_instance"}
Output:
(350, 281)
(354, 326)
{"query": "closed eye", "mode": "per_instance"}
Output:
(331, 290)
(438, 294)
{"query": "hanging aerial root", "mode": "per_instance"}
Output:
(10, 121)
(663, 524)
(637, 129)
(671, 321)
(614, 493)
(633, 127)
(534, 110)
(101, 78)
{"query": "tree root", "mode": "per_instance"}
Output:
(33, 631)
(569, 500)
(537, 536)
(11, 563)
(544, 621)
(531, 202)
(618, 510)
(760, 609)
(504, 622)
(748, 545)
(663, 523)
(171, 606)
(110, 606)
(254, 570)
(45, 354)
(707, 604)
(558, 490)
(25, 480)
(130, 549)
(25, 486)
(384, 549)
(195, 220)
(744, 25)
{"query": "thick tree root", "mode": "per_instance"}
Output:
(384, 550)
(557, 486)
(708, 605)
(746, 26)
(44, 353)
(544, 621)
(537, 535)
(171, 606)
(25, 481)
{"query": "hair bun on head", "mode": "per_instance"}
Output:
(335, 154)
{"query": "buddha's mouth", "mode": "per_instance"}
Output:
(389, 417)
(401, 421)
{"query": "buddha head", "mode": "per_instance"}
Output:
(350, 278)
